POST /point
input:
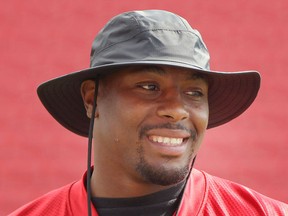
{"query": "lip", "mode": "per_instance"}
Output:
(177, 133)
(166, 141)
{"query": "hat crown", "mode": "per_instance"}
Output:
(153, 36)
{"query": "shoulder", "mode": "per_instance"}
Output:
(224, 197)
(52, 203)
(233, 197)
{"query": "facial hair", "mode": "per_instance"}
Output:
(163, 175)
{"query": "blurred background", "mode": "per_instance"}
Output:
(40, 40)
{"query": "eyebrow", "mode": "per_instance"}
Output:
(153, 69)
(197, 75)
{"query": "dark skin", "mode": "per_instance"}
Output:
(149, 125)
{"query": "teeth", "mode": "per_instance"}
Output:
(166, 140)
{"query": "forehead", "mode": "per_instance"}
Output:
(162, 71)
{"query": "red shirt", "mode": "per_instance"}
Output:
(204, 195)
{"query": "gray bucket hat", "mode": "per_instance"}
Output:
(151, 37)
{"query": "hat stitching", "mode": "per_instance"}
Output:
(182, 22)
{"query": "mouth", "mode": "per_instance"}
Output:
(172, 146)
(167, 141)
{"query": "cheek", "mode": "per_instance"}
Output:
(199, 117)
(200, 123)
(120, 116)
(204, 117)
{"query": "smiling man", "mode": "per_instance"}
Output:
(149, 124)
(145, 104)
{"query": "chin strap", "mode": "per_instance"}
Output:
(180, 201)
(90, 139)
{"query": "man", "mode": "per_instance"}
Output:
(156, 96)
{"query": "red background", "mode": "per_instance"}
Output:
(43, 39)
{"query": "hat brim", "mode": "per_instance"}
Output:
(230, 94)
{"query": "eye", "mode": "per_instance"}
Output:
(149, 86)
(194, 93)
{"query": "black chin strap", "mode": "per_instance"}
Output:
(90, 138)
(187, 178)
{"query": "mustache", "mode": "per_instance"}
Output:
(146, 128)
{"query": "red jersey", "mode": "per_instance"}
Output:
(203, 195)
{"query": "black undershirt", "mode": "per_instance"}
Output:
(162, 203)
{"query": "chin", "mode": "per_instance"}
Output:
(164, 174)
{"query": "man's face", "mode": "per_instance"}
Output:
(151, 122)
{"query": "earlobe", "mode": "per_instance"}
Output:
(87, 92)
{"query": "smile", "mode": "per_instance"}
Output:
(168, 141)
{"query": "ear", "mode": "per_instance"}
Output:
(87, 92)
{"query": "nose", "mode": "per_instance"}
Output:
(173, 108)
